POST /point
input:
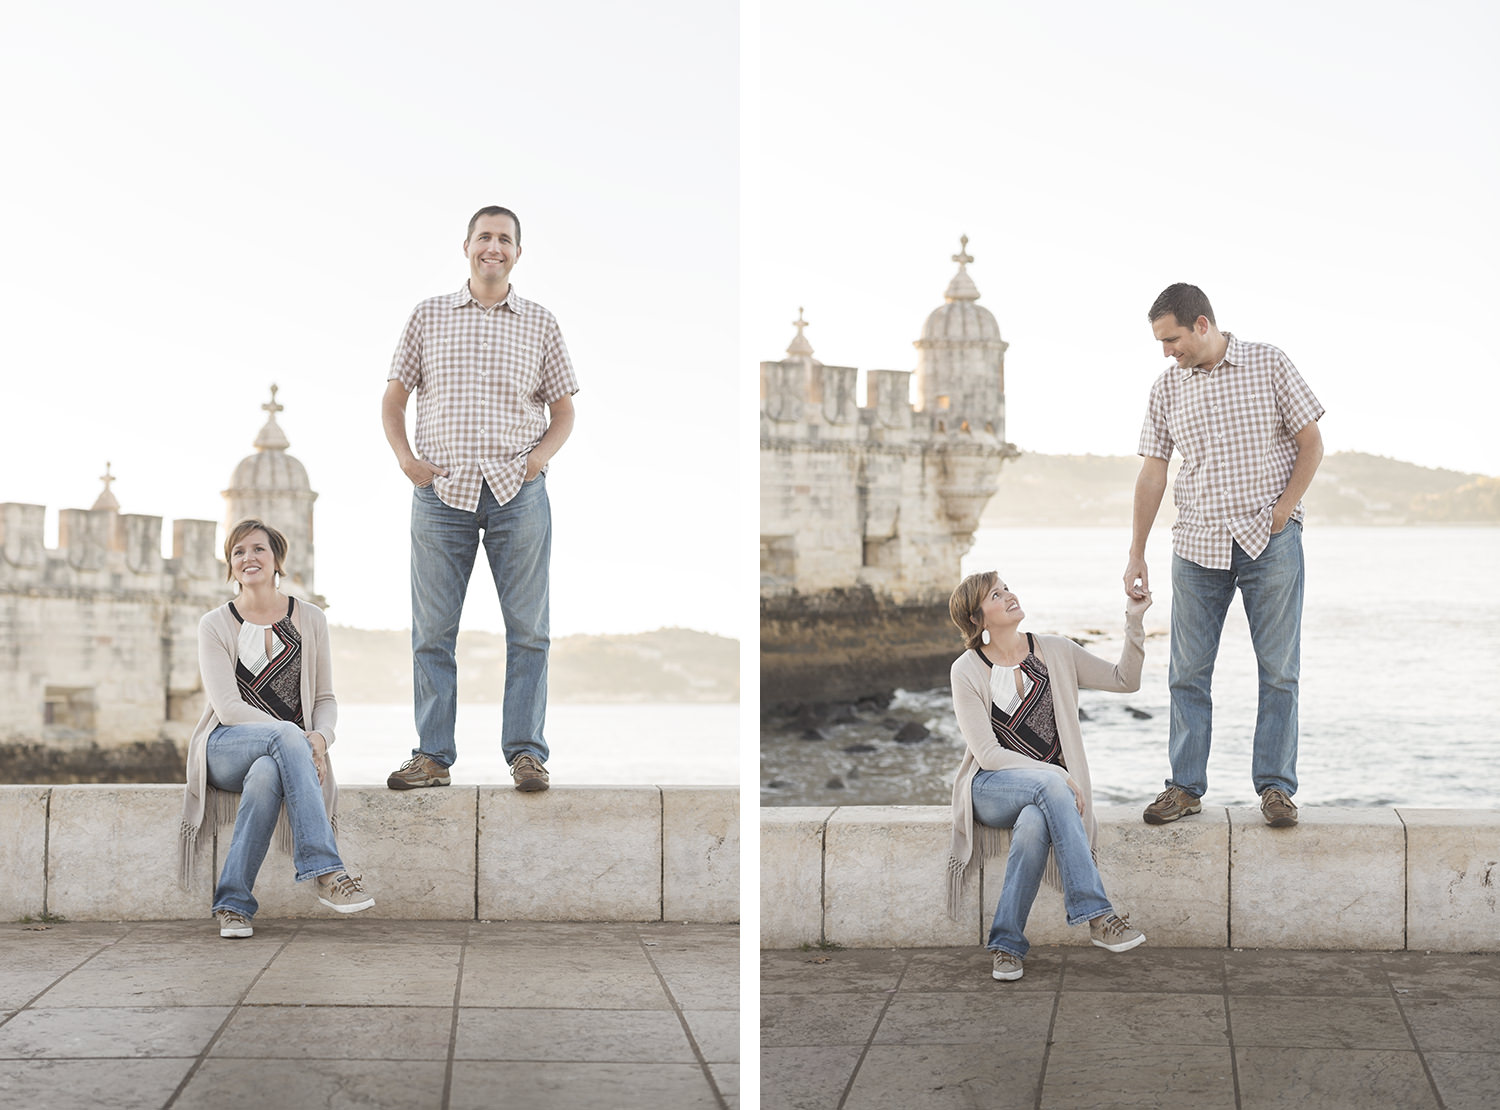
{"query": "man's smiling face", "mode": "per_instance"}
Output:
(492, 250)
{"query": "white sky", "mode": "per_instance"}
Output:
(199, 201)
(1326, 172)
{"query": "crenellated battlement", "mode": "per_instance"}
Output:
(104, 552)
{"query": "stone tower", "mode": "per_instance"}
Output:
(272, 486)
(961, 358)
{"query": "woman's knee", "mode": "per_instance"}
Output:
(1031, 828)
(263, 780)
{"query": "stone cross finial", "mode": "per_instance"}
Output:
(106, 477)
(106, 500)
(799, 345)
(273, 408)
(962, 257)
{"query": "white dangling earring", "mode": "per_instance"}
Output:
(984, 636)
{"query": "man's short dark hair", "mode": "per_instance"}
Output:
(1185, 302)
(494, 210)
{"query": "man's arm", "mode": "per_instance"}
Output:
(1150, 484)
(1309, 455)
(559, 427)
(393, 416)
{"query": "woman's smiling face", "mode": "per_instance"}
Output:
(1000, 607)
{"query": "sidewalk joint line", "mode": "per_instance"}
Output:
(682, 1020)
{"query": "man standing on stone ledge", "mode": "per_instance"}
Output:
(1247, 427)
(494, 387)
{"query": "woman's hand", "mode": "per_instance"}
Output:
(1136, 606)
(319, 748)
(1077, 794)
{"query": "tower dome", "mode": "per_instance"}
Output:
(961, 317)
(272, 486)
(961, 359)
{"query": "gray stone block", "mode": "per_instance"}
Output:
(23, 851)
(1452, 879)
(112, 855)
(572, 853)
(700, 853)
(791, 875)
(884, 879)
(415, 850)
(1335, 880)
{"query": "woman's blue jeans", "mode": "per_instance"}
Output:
(1038, 808)
(267, 764)
(518, 546)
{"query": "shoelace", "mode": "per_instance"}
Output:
(230, 917)
(1115, 925)
(347, 884)
(1274, 797)
(525, 763)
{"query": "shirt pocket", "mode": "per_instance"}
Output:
(1259, 415)
(521, 367)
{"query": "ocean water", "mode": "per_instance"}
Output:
(1400, 696)
(612, 745)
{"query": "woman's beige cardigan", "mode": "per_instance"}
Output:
(1068, 668)
(218, 647)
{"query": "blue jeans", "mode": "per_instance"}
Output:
(1038, 808)
(1271, 587)
(267, 764)
(518, 543)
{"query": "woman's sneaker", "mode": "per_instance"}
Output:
(345, 893)
(232, 923)
(1007, 966)
(1115, 933)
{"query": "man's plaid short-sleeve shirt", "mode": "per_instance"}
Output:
(484, 378)
(1235, 426)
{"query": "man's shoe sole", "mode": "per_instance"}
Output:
(531, 786)
(237, 934)
(1158, 819)
(1282, 822)
(1007, 977)
(396, 782)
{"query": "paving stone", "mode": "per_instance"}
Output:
(1273, 1078)
(581, 1086)
(300, 1032)
(1114, 1077)
(1455, 1024)
(1314, 1022)
(1465, 1080)
(597, 1036)
(726, 1077)
(1116, 1017)
(825, 1019)
(360, 975)
(805, 1078)
(717, 1033)
(939, 1076)
(1145, 968)
(161, 976)
(988, 1018)
(91, 1084)
(368, 1084)
(1272, 971)
(968, 969)
(1434, 974)
(593, 978)
(110, 1031)
(818, 972)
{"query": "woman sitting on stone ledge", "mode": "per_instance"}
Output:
(1024, 782)
(264, 735)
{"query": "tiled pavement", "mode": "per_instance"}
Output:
(350, 1012)
(1155, 1027)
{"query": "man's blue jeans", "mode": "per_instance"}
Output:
(1271, 587)
(518, 543)
(1038, 808)
(267, 764)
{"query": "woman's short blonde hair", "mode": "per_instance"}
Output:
(243, 529)
(963, 605)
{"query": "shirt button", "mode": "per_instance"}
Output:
(486, 343)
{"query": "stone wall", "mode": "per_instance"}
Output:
(98, 637)
(1349, 878)
(572, 853)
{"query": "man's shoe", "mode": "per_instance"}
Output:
(1115, 933)
(1007, 966)
(528, 773)
(232, 923)
(345, 893)
(1277, 808)
(1170, 804)
(419, 770)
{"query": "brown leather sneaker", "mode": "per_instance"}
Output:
(528, 773)
(419, 770)
(1170, 804)
(1277, 808)
(1007, 966)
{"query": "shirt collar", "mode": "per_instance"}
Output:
(1231, 357)
(513, 300)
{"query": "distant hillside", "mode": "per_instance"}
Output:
(1351, 488)
(668, 665)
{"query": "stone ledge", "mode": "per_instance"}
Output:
(572, 853)
(1345, 877)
